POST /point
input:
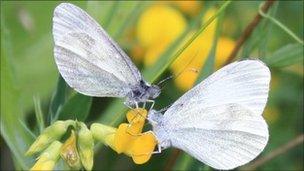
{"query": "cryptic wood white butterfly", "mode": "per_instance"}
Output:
(219, 121)
(91, 62)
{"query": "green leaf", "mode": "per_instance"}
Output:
(39, 114)
(77, 107)
(15, 136)
(285, 56)
(58, 99)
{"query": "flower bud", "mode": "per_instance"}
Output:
(104, 134)
(85, 144)
(48, 158)
(50, 134)
(69, 152)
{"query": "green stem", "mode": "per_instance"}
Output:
(279, 24)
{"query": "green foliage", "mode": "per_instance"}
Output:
(58, 99)
(76, 108)
(286, 56)
(16, 137)
(39, 115)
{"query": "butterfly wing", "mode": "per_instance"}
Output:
(244, 82)
(229, 137)
(219, 121)
(87, 58)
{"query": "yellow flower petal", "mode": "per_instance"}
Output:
(157, 22)
(69, 152)
(123, 138)
(186, 80)
(200, 47)
(136, 118)
(155, 51)
(137, 115)
(224, 47)
(142, 148)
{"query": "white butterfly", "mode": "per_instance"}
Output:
(219, 121)
(91, 62)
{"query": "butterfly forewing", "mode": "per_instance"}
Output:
(88, 59)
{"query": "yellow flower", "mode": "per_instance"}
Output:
(48, 158)
(154, 51)
(69, 152)
(128, 138)
(194, 57)
(143, 147)
(127, 133)
(224, 47)
(191, 8)
(159, 24)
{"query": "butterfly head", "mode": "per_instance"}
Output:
(143, 92)
(153, 91)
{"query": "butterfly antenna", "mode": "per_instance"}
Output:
(165, 108)
(182, 71)
(164, 80)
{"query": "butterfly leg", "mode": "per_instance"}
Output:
(159, 150)
(127, 104)
(136, 104)
(152, 104)
(131, 122)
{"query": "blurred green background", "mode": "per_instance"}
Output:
(28, 70)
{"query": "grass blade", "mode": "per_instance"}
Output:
(285, 56)
(25, 127)
(58, 99)
(39, 114)
(281, 25)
